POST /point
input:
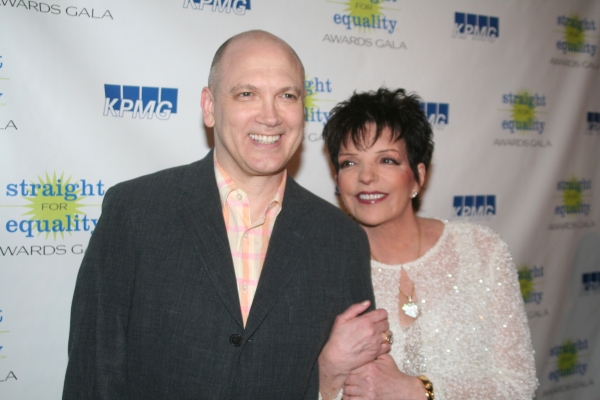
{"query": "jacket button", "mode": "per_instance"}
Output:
(235, 340)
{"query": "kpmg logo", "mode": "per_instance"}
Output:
(140, 101)
(590, 282)
(573, 193)
(478, 27)
(575, 35)
(474, 206)
(238, 7)
(525, 110)
(568, 359)
(437, 114)
(593, 121)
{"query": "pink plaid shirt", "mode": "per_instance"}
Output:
(248, 240)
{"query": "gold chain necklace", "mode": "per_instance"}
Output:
(410, 308)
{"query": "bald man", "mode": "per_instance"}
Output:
(220, 279)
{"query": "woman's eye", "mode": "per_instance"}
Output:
(346, 163)
(390, 161)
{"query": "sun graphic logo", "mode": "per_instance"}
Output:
(568, 361)
(524, 112)
(528, 278)
(54, 206)
(573, 193)
(315, 88)
(575, 35)
(366, 15)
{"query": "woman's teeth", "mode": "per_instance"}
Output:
(375, 196)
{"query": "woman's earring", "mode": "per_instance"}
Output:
(414, 194)
(337, 191)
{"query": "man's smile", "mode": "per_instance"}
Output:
(265, 139)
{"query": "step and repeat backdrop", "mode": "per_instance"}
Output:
(96, 92)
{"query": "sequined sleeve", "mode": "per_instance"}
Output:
(500, 355)
(471, 338)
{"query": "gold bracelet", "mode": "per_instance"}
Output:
(428, 386)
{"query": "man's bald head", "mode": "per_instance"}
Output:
(216, 68)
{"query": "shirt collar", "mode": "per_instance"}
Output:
(226, 185)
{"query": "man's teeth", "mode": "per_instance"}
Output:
(264, 139)
(365, 196)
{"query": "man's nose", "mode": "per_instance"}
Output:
(269, 114)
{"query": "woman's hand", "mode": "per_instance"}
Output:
(382, 380)
(355, 340)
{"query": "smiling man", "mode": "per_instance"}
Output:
(220, 279)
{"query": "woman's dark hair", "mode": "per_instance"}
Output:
(396, 110)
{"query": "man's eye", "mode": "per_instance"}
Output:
(245, 94)
(289, 96)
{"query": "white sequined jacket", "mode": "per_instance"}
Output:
(471, 338)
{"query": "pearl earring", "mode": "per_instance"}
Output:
(414, 194)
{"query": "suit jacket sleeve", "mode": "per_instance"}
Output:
(358, 270)
(101, 302)
(353, 259)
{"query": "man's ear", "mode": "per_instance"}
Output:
(208, 107)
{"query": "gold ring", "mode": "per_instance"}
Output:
(389, 336)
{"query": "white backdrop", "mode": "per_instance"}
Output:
(511, 88)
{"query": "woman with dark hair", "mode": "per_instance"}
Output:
(450, 289)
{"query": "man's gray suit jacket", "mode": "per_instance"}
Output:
(156, 313)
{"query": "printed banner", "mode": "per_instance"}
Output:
(94, 93)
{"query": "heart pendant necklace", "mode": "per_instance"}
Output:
(411, 308)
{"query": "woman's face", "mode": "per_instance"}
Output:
(376, 184)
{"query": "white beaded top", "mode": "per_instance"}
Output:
(471, 338)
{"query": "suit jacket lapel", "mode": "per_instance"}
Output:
(203, 215)
(290, 237)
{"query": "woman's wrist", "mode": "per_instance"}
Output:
(329, 388)
(331, 379)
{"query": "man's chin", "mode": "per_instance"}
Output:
(266, 169)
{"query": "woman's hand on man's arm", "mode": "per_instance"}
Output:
(355, 340)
